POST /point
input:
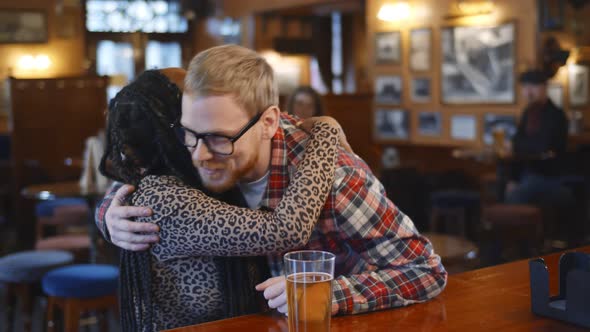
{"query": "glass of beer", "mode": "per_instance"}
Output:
(309, 275)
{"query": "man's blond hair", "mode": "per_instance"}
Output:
(236, 71)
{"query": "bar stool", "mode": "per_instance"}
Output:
(510, 226)
(453, 208)
(79, 288)
(20, 271)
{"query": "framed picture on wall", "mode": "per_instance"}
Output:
(463, 127)
(388, 89)
(477, 65)
(429, 124)
(555, 93)
(421, 90)
(23, 26)
(388, 47)
(391, 124)
(496, 122)
(420, 49)
(578, 85)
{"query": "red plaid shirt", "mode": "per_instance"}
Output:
(381, 259)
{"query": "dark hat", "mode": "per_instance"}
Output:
(534, 76)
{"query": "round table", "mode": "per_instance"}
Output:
(50, 191)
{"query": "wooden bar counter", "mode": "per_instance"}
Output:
(490, 299)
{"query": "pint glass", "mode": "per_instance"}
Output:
(309, 277)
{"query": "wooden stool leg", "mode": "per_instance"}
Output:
(103, 320)
(10, 307)
(50, 316)
(23, 292)
(71, 315)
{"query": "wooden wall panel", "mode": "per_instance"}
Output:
(352, 111)
(51, 120)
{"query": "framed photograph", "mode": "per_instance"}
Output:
(578, 85)
(420, 49)
(388, 47)
(477, 65)
(551, 14)
(388, 89)
(555, 93)
(391, 124)
(463, 127)
(23, 26)
(421, 90)
(494, 123)
(429, 124)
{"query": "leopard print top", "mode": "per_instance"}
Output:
(186, 285)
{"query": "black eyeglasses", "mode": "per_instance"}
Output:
(216, 143)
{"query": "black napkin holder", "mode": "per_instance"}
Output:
(573, 302)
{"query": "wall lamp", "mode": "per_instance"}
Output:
(392, 12)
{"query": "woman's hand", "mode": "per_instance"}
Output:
(308, 123)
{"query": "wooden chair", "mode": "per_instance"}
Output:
(508, 227)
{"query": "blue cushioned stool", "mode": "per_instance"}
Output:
(21, 270)
(78, 288)
(453, 207)
(47, 208)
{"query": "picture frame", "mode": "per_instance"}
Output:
(421, 90)
(391, 124)
(578, 84)
(463, 127)
(551, 14)
(388, 89)
(388, 47)
(465, 78)
(429, 123)
(493, 122)
(555, 93)
(421, 49)
(23, 26)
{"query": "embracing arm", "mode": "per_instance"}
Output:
(397, 265)
(193, 224)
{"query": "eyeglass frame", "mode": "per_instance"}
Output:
(232, 139)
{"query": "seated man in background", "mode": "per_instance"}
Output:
(540, 143)
(381, 259)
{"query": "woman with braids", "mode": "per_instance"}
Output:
(188, 276)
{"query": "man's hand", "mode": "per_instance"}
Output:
(125, 233)
(275, 292)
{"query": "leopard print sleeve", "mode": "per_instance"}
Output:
(193, 224)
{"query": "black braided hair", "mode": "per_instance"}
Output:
(140, 142)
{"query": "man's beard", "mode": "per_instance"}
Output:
(228, 180)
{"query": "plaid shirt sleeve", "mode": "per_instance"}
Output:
(396, 266)
(101, 210)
